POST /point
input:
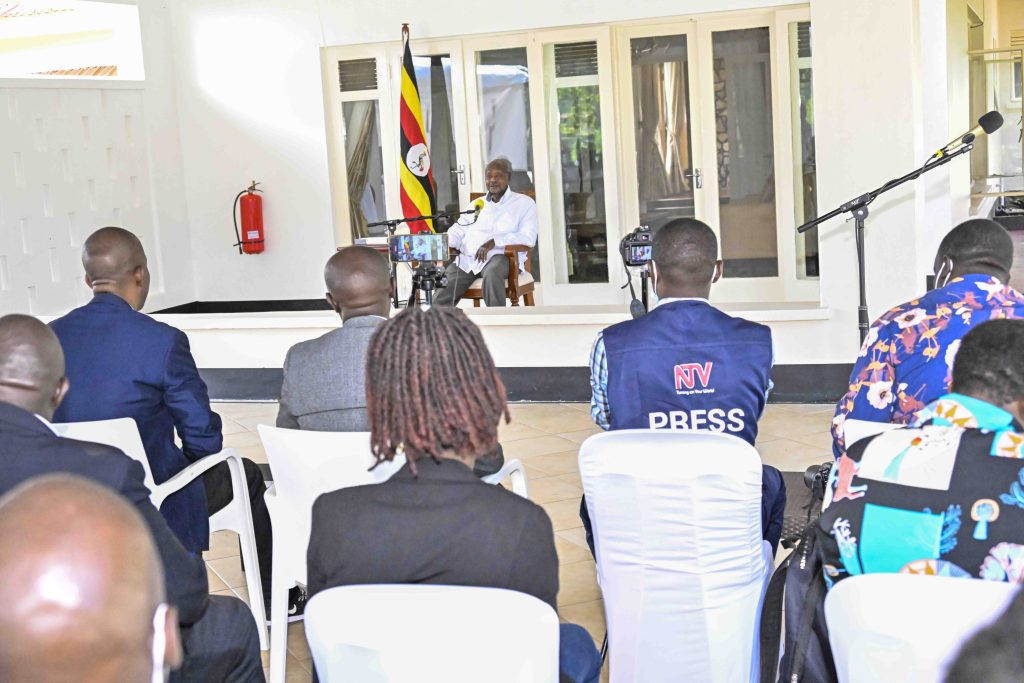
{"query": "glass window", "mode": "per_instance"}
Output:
(70, 39)
(434, 82)
(661, 110)
(365, 166)
(574, 115)
(806, 178)
(741, 60)
(503, 84)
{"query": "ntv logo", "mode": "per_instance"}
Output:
(688, 374)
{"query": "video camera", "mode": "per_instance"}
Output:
(636, 247)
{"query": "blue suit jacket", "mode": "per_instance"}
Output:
(122, 363)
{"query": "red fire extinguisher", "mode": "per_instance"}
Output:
(250, 241)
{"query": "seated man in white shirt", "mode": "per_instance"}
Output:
(506, 218)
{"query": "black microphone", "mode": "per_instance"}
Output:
(987, 124)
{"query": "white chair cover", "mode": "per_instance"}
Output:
(432, 634)
(680, 559)
(901, 628)
(304, 465)
(123, 433)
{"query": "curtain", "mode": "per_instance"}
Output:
(663, 145)
(358, 170)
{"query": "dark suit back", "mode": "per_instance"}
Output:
(122, 363)
(324, 385)
(443, 527)
(29, 449)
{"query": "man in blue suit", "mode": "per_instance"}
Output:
(122, 363)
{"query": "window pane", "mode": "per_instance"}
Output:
(434, 83)
(806, 176)
(574, 116)
(745, 151)
(365, 166)
(661, 109)
(503, 83)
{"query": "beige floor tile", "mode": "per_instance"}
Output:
(229, 569)
(222, 544)
(569, 552)
(577, 583)
(582, 407)
(577, 535)
(572, 478)
(216, 584)
(243, 439)
(541, 445)
(564, 421)
(792, 456)
(565, 462)
(242, 593)
(581, 435)
(254, 453)
(822, 440)
(297, 644)
(564, 514)
(229, 426)
(589, 615)
(515, 430)
(528, 411)
(550, 489)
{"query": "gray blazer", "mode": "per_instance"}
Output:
(324, 385)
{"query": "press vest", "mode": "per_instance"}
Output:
(688, 365)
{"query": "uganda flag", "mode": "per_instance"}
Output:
(414, 170)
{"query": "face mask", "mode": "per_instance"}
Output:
(160, 670)
(944, 274)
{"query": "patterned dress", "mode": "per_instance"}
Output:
(907, 357)
(945, 497)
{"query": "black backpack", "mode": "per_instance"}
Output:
(798, 582)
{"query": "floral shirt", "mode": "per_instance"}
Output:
(907, 357)
(945, 497)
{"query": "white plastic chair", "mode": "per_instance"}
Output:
(304, 465)
(680, 558)
(432, 634)
(902, 628)
(236, 516)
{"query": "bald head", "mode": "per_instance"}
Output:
(31, 365)
(115, 262)
(80, 582)
(358, 282)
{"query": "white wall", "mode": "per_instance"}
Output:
(78, 155)
(251, 107)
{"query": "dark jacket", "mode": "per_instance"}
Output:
(122, 363)
(444, 526)
(29, 449)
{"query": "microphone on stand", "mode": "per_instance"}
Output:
(987, 124)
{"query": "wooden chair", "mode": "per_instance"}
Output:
(518, 285)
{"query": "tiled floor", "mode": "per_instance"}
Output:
(546, 438)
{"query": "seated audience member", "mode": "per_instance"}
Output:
(905, 362)
(506, 218)
(82, 588)
(993, 654)
(442, 524)
(943, 497)
(324, 385)
(122, 363)
(219, 635)
(686, 364)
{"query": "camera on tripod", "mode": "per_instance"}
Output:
(428, 251)
(636, 247)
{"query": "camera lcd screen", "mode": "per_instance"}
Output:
(421, 247)
(639, 253)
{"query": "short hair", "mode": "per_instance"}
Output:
(989, 363)
(502, 164)
(432, 387)
(979, 241)
(685, 249)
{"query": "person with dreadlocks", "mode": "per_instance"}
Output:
(434, 521)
